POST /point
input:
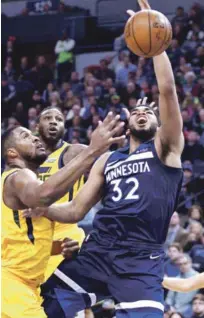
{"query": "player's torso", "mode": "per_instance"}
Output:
(53, 163)
(26, 243)
(140, 194)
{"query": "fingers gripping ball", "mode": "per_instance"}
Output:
(148, 33)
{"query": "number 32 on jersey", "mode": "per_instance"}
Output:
(132, 195)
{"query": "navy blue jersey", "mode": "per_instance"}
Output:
(140, 195)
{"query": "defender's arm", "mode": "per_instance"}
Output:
(88, 196)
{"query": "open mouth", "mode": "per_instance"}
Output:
(52, 130)
(40, 147)
(142, 120)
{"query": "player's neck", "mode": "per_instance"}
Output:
(134, 144)
(52, 146)
(21, 164)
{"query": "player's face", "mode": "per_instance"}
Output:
(143, 123)
(51, 126)
(29, 146)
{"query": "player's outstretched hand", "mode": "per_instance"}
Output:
(105, 134)
(144, 5)
(34, 213)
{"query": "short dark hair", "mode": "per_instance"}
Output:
(7, 141)
(198, 297)
(49, 108)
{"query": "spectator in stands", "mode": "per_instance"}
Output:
(122, 74)
(179, 33)
(65, 87)
(64, 49)
(194, 236)
(180, 18)
(41, 74)
(36, 99)
(130, 91)
(9, 70)
(195, 213)
(198, 306)
(23, 68)
(54, 99)
(12, 123)
(171, 268)
(47, 93)
(76, 85)
(175, 233)
(174, 52)
(193, 150)
(8, 93)
(181, 302)
(104, 72)
(21, 115)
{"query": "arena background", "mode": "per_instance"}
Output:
(100, 74)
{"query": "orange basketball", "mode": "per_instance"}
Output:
(148, 33)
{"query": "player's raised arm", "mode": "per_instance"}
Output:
(184, 285)
(31, 193)
(171, 121)
(88, 196)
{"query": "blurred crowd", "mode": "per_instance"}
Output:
(113, 84)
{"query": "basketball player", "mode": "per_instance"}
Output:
(139, 186)
(184, 285)
(26, 243)
(51, 130)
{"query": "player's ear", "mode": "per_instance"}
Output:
(12, 153)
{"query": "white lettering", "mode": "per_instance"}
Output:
(127, 170)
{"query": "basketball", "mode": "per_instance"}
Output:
(148, 33)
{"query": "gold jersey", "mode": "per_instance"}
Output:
(53, 163)
(26, 242)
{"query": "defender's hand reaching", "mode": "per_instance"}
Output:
(103, 136)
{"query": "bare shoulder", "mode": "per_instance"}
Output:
(73, 151)
(101, 161)
(22, 176)
(15, 183)
(168, 153)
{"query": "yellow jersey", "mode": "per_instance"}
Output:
(52, 164)
(26, 242)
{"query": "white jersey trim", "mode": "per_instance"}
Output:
(140, 304)
(67, 280)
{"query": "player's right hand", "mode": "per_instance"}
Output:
(105, 134)
(34, 213)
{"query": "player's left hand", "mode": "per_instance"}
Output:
(69, 247)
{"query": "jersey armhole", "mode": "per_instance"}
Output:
(160, 162)
(4, 184)
(60, 160)
(105, 165)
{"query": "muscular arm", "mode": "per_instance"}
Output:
(32, 193)
(184, 285)
(87, 197)
(25, 187)
(72, 152)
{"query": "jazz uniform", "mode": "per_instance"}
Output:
(26, 247)
(52, 164)
(123, 256)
